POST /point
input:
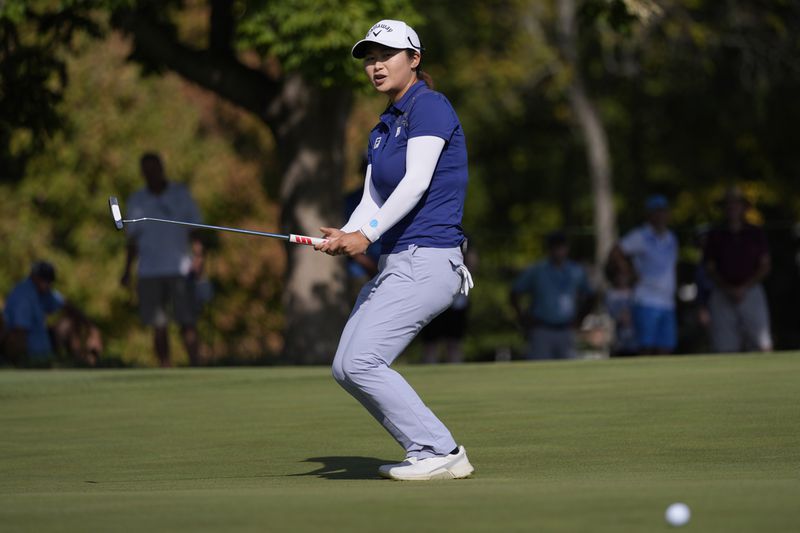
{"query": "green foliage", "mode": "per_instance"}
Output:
(59, 212)
(35, 39)
(314, 37)
(13, 10)
(694, 94)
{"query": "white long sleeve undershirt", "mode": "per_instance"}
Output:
(368, 206)
(373, 216)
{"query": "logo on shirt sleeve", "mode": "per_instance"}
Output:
(397, 133)
(377, 143)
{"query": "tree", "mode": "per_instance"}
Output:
(594, 134)
(32, 77)
(287, 63)
(301, 87)
(691, 94)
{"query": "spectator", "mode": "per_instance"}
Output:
(702, 280)
(653, 250)
(447, 330)
(619, 303)
(170, 258)
(27, 339)
(737, 259)
(557, 288)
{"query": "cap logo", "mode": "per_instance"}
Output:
(380, 28)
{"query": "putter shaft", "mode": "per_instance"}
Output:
(208, 226)
(119, 223)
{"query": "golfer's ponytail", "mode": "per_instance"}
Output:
(424, 76)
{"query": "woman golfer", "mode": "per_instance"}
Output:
(413, 201)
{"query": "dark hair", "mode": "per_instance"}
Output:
(150, 156)
(554, 239)
(424, 76)
(44, 271)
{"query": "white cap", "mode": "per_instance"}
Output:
(391, 33)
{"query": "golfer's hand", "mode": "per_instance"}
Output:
(330, 234)
(341, 243)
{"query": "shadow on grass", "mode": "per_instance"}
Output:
(345, 467)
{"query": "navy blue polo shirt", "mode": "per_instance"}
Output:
(435, 222)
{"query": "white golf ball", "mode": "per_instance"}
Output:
(678, 514)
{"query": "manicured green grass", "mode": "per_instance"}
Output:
(572, 446)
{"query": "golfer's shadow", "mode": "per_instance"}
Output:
(345, 467)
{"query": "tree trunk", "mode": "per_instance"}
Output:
(594, 135)
(309, 125)
(311, 136)
(599, 162)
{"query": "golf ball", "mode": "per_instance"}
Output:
(677, 514)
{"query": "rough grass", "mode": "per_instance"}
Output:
(572, 446)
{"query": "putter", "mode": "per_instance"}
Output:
(119, 223)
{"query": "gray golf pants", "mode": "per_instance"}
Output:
(743, 326)
(551, 343)
(411, 288)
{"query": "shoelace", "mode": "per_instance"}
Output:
(466, 279)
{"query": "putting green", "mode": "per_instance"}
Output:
(565, 446)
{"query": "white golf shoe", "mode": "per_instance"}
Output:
(383, 470)
(453, 466)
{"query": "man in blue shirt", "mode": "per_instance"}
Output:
(27, 338)
(653, 250)
(557, 288)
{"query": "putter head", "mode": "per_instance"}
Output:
(116, 214)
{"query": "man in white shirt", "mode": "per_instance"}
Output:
(170, 258)
(653, 250)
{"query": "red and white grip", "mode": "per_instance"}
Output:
(302, 239)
